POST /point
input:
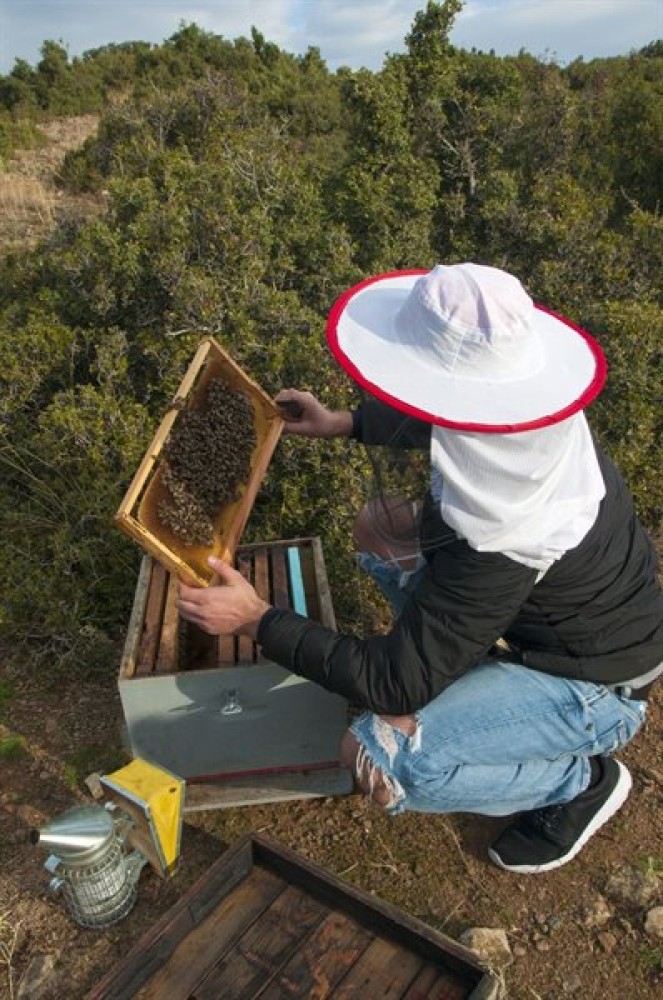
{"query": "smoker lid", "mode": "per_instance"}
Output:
(77, 831)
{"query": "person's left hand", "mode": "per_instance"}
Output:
(228, 608)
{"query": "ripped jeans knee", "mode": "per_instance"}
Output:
(501, 739)
(379, 742)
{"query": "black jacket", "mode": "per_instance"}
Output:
(597, 614)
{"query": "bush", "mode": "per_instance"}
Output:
(246, 189)
(628, 416)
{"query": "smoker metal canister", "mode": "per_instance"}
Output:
(90, 866)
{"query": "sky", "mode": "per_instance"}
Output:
(353, 33)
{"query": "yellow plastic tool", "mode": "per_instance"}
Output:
(154, 798)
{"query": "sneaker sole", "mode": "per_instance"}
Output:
(617, 799)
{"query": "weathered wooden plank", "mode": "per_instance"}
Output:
(227, 651)
(382, 917)
(264, 948)
(447, 987)
(309, 581)
(263, 586)
(167, 655)
(424, 982)
(194, 956)
(156, 598)
(326, 606)
(261, 574)
(321, 962)
(384, 970)
(200, 649)
(264, 788)
(135, 627)
(280, 592)
(245, 644)
(151, 952)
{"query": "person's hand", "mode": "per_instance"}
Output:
(314, 420)
(228, 608)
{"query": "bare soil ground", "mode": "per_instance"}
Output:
(571, 932)
(570, 936)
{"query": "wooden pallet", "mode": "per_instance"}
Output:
(265, 922)
(137, 515)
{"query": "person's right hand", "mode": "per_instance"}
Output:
(315, 420)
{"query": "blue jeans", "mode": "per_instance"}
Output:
(396, 584)
(501, 739)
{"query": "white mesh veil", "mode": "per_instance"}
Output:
(532, 495)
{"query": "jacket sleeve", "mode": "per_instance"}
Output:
(464, 602)
(376, 423)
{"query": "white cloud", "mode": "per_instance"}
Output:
(356, 33)
(351, 32)
(232, 18)
(549, 13)
(569, 28)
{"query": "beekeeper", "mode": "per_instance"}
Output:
(527, 535)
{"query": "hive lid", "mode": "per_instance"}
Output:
(266, 921)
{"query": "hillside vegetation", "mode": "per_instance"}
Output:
(244, 189)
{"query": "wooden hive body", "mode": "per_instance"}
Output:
(213, 710)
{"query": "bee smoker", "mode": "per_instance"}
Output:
(99, 850)
(90, 865)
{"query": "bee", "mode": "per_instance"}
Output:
(208, 459)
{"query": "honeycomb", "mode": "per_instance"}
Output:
(207, 462)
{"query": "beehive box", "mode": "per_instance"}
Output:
(138, 513)
(213, 710)
(265, 922)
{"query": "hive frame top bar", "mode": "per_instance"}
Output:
(137, 514)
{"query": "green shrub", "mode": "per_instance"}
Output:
(17, 133)
(628, 416)
(246, 189)
(11, 748)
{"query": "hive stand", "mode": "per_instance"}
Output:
(239, 728)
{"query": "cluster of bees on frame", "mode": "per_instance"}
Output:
(208, 460)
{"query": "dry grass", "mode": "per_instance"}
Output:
(29, 201)
(9, 931)
(24, 200)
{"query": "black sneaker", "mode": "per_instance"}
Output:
(547, 838)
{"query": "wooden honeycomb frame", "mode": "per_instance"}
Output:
(137, 514)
